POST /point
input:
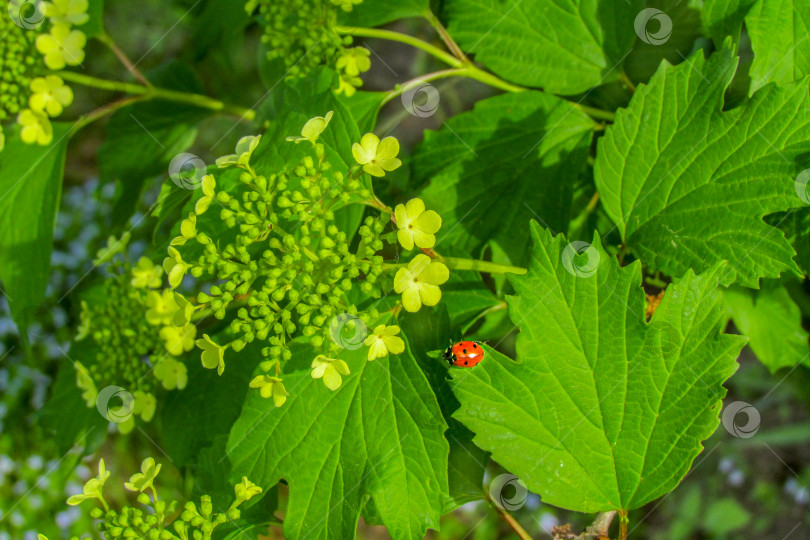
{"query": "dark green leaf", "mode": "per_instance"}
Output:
(513, 158)
(688, 184)
(378, 12)
(778, 31)
(723, 18)
(30, 189)
(563, 46)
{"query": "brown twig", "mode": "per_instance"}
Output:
(445, 35)
(107, 40)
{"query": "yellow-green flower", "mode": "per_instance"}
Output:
(62, 46)
(83, 330)
(144, 479)
(144, 405)
(85, 383)
(93, 487)
(36, 128)
(113, 247)
(419, 282)
(185, 310)
(213, 355)
(174, 266)
(66, 11)
(376, 156)
(329, 369)
(178, 339)
(348, 85)
(245, 490)
(244, 149)
(270, 387)
(354, 61)
(146, 274)
(384, 340)
(171, 373)
(313, 128)
(208, 185)
(50, 95)
(188, 230)
(416, 225)
(162, 307)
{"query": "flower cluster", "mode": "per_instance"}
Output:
(138, 329)
(300, 34)
(19, 64)
(158, 519)
(62, 46)
(285, 268)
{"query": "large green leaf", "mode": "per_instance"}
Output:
(564, 46)
(30, 189)
(602, 410)
(773, 322)
(688, 184)
(379, 436)
(779, 36)
(513, 158)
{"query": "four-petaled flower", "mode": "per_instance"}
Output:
(93, 487)
(329, 369)
(244, 148)
(313, 128)
(144, 479)
(376, 156)
(416, 225)
(162, 307)
(213, 355)
(174, 266)
(144, 405)
(178, 339)
(354, 61)
(171, 373)
(185, 310)
(50, 95)
(245, 490)
(348, 85)
(188, 230)
(62, 46)
(208, 185)
(146, 274)
(66, 11)
(384, 340)
(419, 282)
(36, 128)
(270, 387)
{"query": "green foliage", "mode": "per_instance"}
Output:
(611, 415)
(380, 436)
(687, 184)
(275, 320)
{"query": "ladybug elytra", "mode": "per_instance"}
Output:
(464, 354)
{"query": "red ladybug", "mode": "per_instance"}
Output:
(464, 353)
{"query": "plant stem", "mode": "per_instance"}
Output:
(623, 524)
(101, 112)
(480, 266)
(512, 522)
(401, 38)
(152, 92)
(108, 41)
(445, 35)
(462, 68)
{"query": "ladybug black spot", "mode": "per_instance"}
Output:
(464, 351)
(465, 362)
(475, 346)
